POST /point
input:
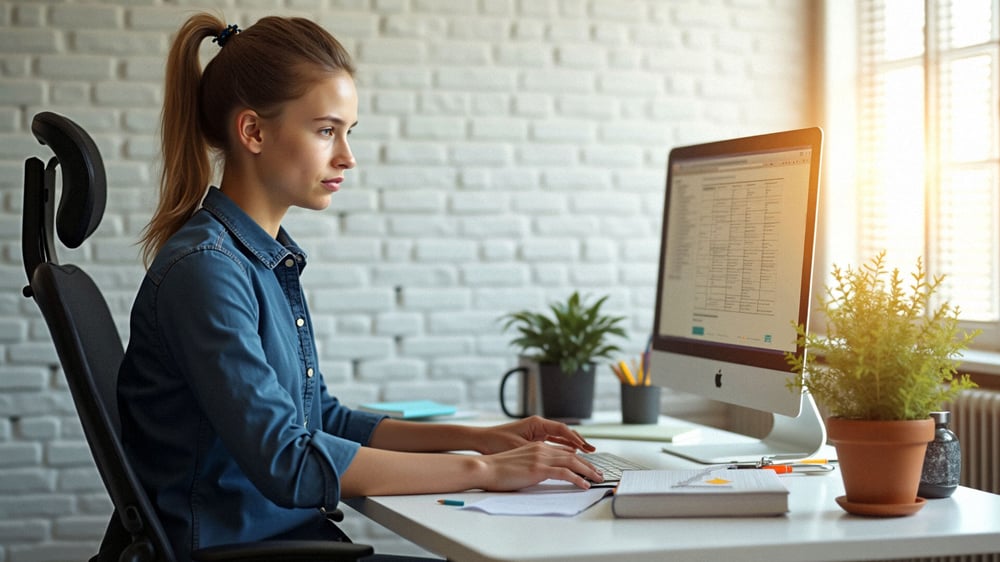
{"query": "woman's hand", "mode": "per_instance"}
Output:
(534, 462)
(534, 429)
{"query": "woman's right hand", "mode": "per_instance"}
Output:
(534, 462)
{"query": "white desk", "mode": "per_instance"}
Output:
(816, 528)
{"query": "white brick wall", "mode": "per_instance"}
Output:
(509, 151)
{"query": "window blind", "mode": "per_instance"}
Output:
(928, 161)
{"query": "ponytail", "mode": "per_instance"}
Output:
(186, 166)
(262, 67)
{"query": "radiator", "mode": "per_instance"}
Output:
(975, 418)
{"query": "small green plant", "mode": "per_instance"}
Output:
(573, 336)
(886, 354)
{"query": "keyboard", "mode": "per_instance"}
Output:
(611, 465)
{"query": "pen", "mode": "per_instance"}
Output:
(813, 461)
(645, 357)
(458, 503)
(784, 468)
(640, 373)
(813, 468)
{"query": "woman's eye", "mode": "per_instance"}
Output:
(326, 132)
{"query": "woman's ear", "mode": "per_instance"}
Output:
(248, 131)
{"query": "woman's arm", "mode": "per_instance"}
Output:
(376, 472)
(514, 455)
(397, 435)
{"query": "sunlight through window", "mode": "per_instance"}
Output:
(928, 136)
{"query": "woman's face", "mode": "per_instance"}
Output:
(304, 152)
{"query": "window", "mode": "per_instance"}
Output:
(927, 172)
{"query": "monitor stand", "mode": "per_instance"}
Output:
(790, 438)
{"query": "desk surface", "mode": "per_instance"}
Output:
(815, 528)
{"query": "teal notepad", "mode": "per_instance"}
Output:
(409, 409)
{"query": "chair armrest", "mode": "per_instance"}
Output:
(284, 550)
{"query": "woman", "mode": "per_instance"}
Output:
(224, 412)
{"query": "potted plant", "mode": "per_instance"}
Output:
(886, 359)
(565, 345)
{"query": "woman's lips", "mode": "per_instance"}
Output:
(333, 184)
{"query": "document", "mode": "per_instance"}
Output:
(548, 499)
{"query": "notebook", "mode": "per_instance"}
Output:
(409, 409)
(641, 432)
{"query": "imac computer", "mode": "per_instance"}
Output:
(735, 277)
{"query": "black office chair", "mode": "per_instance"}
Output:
(90, 349)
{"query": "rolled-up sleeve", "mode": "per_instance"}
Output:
(350, 424)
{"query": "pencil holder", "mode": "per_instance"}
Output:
(640, 404)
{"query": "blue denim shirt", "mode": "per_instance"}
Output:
(224, 412)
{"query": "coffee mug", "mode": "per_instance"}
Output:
(528, 389)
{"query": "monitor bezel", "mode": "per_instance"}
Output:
(770, 359)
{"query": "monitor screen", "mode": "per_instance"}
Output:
(735, 270)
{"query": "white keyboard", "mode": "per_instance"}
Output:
(611, 465)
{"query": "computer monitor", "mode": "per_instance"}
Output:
(735, 276)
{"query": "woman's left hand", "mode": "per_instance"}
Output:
(535, 428)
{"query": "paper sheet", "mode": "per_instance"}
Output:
(551, 498)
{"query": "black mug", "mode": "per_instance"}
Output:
(528, 389)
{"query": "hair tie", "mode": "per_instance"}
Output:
(226, 34)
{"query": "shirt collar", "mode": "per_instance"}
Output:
(269, 251)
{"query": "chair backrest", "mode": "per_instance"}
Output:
(80, 323)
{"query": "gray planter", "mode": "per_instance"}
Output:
(567, 397)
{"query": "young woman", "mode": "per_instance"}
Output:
(224, 410)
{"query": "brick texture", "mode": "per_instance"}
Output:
(509, 152)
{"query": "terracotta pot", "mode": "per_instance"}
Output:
(880, 462)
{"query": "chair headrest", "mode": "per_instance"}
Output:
(84, 184)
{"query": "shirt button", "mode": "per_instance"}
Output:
(309, 372)
(300, 322)
(289, 262)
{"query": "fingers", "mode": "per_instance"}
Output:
(573, 478)
(562, 433)
(592, 475)
(574, 444)
(567, 465)
(537, 461)
(533, 429)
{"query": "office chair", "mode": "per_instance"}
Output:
(90, 349)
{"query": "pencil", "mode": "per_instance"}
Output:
(618, 373)
(627, 372)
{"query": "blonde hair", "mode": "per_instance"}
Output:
(270, 63)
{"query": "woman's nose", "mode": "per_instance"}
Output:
(344, 158)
